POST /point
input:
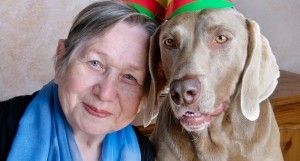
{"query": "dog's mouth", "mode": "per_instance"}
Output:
(195, 121)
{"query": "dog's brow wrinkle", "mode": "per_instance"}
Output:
(218, 27)
(180, 29)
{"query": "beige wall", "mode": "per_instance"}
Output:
(280, 23)
(30, 30)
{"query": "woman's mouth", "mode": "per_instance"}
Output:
(96, 112)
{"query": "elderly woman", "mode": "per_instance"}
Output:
(99, 87)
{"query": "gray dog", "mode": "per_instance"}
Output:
(220, 71)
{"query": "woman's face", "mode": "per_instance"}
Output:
(102, 87)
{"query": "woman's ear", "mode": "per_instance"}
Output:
(60, 49)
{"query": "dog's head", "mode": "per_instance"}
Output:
(203, 57)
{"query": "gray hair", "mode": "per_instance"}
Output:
(95, 20)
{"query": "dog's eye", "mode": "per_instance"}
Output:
(170, 43)
(221, 39)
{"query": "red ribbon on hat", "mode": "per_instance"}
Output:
(165, 9)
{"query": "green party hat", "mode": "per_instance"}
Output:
(165, 9)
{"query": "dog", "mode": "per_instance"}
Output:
(220, 71)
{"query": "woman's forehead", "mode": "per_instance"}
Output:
(126, 46)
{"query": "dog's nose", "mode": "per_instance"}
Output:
(185, 91)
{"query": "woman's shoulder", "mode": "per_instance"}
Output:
(147, 149)
(11, 112)
(15, 106)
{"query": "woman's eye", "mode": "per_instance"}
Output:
(96, 64)
(221, 39)
(130, 79)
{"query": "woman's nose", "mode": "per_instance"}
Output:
(106, 89)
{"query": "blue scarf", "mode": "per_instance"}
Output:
(45, 135)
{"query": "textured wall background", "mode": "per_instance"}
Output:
(280, 23)
(30, 30)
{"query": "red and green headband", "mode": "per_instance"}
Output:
(165, 9)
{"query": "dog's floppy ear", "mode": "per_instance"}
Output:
(260, 74)
(158, 80)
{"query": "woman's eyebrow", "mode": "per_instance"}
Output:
(135, 67)
(132, 66)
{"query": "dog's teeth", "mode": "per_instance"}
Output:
(192, 114)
